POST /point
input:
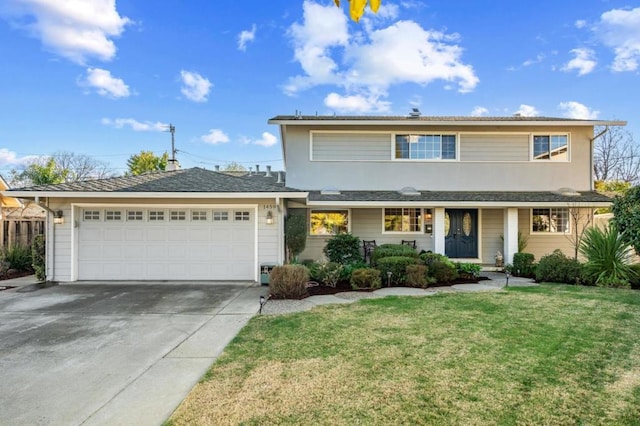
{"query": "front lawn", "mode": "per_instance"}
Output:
(552, 354)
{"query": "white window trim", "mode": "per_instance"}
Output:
(419, 232)
(549, 233)
(310, 211)
(426, 160)
(550, 160)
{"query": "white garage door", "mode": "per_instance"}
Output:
(166, 244)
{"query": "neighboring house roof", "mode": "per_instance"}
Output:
(437, 120)
(186, 182)
(446, 198)
(7, 201)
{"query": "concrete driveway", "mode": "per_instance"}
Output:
(112, 354)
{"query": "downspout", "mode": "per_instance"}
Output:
(53, 240)
(591, 141)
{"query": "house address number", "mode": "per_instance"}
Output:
(268, 207)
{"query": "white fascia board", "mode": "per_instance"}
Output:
(443, 123)
(453, 204)
(151, 195)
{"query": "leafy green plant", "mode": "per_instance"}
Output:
(348, 269)
(365, 278)
(19, 258)
(557, 267)
(38, 257)
(417, 276)
(443, 271)
(635, 279)
(606, 254)
(388, 250)
(523, 265)
(327, 272)
(397, 265)
(295, 234)
(469, 270)
(289, 281)
(343, 248)
(626, 216)
(429, 257)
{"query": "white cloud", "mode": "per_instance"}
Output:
(539, 58)
(580, 23)
(10, 158)
(245, 37)
(138, 126)
(74, 29)
(375, 59)
(267, 140)
(527, 111)
(479, 111)
(577, 110)
(356, 103)
(195, 87)
(620, 30)
(104, 83)
(584, 61)
(214, 137)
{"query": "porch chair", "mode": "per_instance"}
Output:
(368, 247)
(410, 243)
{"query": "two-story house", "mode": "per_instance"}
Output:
(461, 186)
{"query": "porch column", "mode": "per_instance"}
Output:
(510, 234)
(438, 230)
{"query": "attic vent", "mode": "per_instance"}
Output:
(409, 190)
(568, 192)
(332, 190)
(415, 113)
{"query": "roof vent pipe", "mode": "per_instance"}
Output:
(217, 168)
(257, 169)
(279, 177)
(268, 174)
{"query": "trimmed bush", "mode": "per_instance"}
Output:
(389, 250)
(289, 281)
(295, 234)
(343, 248)
(635, 280)
(19, 258)
(606, 254)
(365, 278)
(523, 265)
(468, 270)
(429, 257)
(443, 271)
(557, 267)
(38, 257)
(397, 265)
(348, 269)
(417, 276)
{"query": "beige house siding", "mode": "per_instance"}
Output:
(350, 146)
(492, 230)
(303, 173)
(494, 147)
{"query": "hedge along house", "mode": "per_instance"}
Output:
(190, 224)
(460, 186)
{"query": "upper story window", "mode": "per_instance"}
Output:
(551, 147)
(329, 222)
(426, 147)
(550, 220)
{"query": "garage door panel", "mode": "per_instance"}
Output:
(111, 252)
(112, 234)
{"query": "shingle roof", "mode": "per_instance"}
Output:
(185, 180)
(460, 196)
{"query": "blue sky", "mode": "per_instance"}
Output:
(105, 78)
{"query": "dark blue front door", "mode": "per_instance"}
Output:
(461, 233)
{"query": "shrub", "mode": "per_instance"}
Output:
(443, 271)
(327, 272)
(365, 278)
(348, 269)
(635, 280)
(289, 281)
(556, 267)
(606, 254)
(19, 257)
(343, 248)
(397, 265)
(388, 250)
(417, 276)
(38, 257)
(469, 270)
(523, 265)
(295, 234)
(429, 257)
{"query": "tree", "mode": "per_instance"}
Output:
(39, 172)
(616, 156)
(146, 161)
(295, 234)
(233, 166)
(626, 216)
(60, 167)
(81, 167)
(356, 7)
(581, 220)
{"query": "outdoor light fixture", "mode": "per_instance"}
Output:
(269, 218)
(58, 219)
(389, 273)
(262, 302)
(507, 274)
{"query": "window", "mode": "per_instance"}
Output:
(551, 147)
(91, 215)
(220, 216)
(177, 215)
(402, 219)
(198, 215)
(113, 215)
(134, 215)
(156, 215)
(329, 222)
(550, 220)
(426, 147)
(242, 216)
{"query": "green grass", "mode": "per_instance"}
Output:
(551, 355)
